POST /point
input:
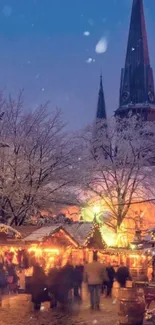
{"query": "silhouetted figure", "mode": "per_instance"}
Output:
(78, 279)
(60, 282)
(67, 281)
(38, 287)
(3, 281)
(12, 278)
(53, 283)
(122, 275)
(111, 276)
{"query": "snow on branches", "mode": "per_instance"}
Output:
(117, 163)
(39, 162)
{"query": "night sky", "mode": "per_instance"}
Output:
(48, 47)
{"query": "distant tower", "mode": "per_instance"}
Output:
(101, 110)
(137, 86)
(100, 125)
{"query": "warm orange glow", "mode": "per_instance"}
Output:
(138, 256)
(39, 251)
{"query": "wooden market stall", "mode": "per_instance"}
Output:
(55, 244)
(136, 260)
(11, 246)
(50, 246)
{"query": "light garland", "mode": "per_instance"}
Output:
(7, 229)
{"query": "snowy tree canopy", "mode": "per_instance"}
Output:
(38, 165)
(117, 164)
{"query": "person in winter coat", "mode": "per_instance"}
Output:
(78, 278)
(3, 282)
(38, 287)
(60, 282)
(67, 282)
(122, 275)
(111, 276)
(53, 283)
(12, 278)
(94, 274)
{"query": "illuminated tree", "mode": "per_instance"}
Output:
(117, 164)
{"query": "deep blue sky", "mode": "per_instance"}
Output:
(44, 51)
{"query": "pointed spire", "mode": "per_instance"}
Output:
(137, 85)
(101, 110)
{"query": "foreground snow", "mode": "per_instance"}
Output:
(82, 315)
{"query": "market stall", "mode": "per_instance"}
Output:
(50, 246)
(136, 260)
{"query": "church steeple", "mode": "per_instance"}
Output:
(101, 110)
(137, 85)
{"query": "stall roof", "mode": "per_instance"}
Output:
(81, 233)
(25, 231)
(41, 233)
(8, 230)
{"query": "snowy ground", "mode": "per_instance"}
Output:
(83, 316)
(21, 315)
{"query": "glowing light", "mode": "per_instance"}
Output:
(96, 209)
(41, 250)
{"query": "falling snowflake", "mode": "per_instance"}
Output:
(37, 76)
(133, 49)
(42, 89)
(90, 60)
(86, 33)
(101, 46)
(7, 11)
(29, 62)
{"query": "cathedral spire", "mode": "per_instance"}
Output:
(137, 85)
(101, 110)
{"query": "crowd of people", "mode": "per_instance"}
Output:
(8, 279)
(64, 285)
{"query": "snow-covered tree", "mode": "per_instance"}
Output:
(59, 220)
(38, 165)
(117, 165)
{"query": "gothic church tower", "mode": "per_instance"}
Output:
(137, 94)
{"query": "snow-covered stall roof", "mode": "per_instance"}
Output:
(79, 231)
(25, 231)
(41, 233)
(9, 230)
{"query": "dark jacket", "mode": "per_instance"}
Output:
(3, 281)
(78, 275)
(122, 275)
(38, 285)
(111, 273)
